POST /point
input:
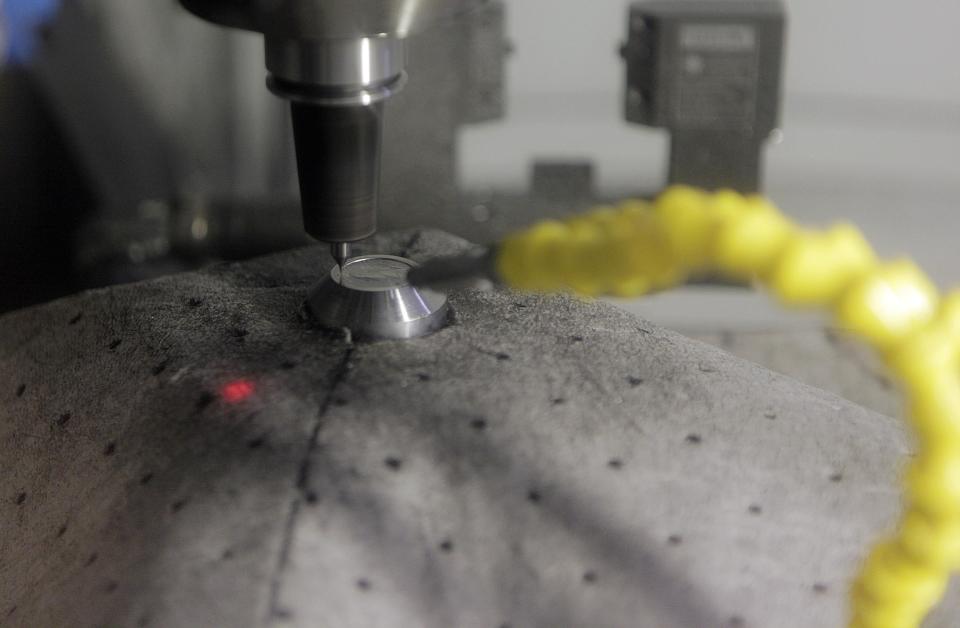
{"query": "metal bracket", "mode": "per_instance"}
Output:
(709, 73)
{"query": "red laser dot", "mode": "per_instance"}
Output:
(237, 391)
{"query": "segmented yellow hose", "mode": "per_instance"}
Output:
(638, 247)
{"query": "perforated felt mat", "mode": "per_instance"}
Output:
(190, 452)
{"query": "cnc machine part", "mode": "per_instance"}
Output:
(326, 19)
(709, 73)
(337, 89)
(335, 60)
(341, 252)
(371, 296)
(338, 159)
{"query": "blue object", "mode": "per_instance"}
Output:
(21, 21)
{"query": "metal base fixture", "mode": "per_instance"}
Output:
(370, 296)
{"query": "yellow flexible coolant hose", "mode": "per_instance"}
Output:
(639, 247)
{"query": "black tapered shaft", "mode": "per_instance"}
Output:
(338, 160)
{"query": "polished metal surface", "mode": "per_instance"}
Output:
(336, 95)
(364, 61)
(355, 45)
(352, 49)
(327, 19)
(336, 72)
(370, 296)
